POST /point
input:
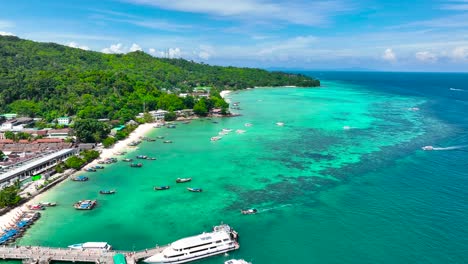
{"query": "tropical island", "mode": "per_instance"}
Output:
(56, 98)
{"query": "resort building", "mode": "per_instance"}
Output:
(64, 120)
(159, 115)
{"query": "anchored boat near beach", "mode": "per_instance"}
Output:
(222, 239)
(91, 245)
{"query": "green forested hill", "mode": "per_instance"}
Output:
(50, 80)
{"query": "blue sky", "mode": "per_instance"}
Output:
(412, 35)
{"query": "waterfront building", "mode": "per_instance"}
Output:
(25, 170)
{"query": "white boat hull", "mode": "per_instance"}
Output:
(193, 257)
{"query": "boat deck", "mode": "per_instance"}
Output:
(44, 255)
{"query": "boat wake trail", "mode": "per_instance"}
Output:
(273, 208)
(451, 148)
(455, 89)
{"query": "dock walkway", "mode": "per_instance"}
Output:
(44, 255)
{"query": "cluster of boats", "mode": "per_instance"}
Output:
(94, 168)
(85, 204)
(108, 161)
(224, 132)
(145, 157)
(19, 225)
(41, 205)
(134, 143)
(178, 180)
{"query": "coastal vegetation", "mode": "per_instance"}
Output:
(49, 80)
(9, 196)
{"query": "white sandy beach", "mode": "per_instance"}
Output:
(224, 93)
(122, 145)
(10, 217)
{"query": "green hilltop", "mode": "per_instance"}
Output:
(51, 80)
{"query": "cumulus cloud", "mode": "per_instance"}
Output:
(426, 56)
(78, 46)
(169, 53)
(3, 33)
(389, 55)
(114, 48)
(460, 54)
(174, 53)
(135, 47)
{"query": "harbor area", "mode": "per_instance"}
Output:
(44, 255)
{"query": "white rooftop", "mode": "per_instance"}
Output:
(32, 164)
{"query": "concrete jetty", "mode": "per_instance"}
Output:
(44, 255)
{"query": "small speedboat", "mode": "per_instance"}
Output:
(151, 158)
(85, 205)
(181, 180)
(160, 137)
(127, 160)
(215, 138)
(36, 207)
(80, 178)
(428, 148)
(195, 189)
(48, 204)
(249, 211)
(99, 167)
(136, 165)
(167, 141)
(107, 191)
(227, 130)
(279, 123)
(141, 157)
(90, 169)
(160, 188)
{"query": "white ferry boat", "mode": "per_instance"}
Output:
(221, 240)
(92, 245)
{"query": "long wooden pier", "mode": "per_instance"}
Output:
(44, 255)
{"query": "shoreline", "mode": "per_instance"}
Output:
(122, 145)
(11, 216)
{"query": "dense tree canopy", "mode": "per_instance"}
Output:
(51, 80)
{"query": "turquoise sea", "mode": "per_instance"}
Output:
(343, 181)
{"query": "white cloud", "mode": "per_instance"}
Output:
(76, 45)
(6, 24)
(297, 12)
(204, 55)
(169, 53)
(135, 47)
(174, 53)
(426, 56)
(460, 53)
(114, 48)
(389, 55)
(3, 33)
